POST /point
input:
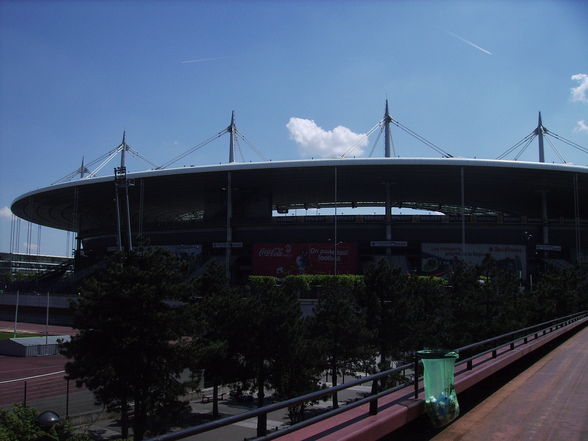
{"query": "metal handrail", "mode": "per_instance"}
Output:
(312, 396)
(538, 328)
(262, 412)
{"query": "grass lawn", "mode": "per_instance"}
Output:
(7, 335)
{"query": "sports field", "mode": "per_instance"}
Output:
(6, 335)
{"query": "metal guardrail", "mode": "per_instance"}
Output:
(511, 340)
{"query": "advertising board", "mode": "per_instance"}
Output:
(281, 259)
(439, 258)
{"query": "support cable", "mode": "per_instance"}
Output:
(422, 139)
(365, 135)
(376, 141)
(250, 144)
(29, 237)
(566, 141)
(12, 232)
(103, 164)
(238, 144)
(530, 136)
(392, 148)
(70, 176)
(138, 155)
(17, 236)
(192, 149)
(556, 151)
(523, 149)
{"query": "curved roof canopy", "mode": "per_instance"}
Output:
(184, 194)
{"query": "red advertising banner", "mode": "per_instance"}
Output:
(282, 259)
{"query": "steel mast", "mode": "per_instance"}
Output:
(231, 129)
(388, 208)
(387, 137)
(539, 131)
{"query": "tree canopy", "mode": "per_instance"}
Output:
(144, 319)
(128, 350)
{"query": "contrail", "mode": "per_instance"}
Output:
(468, 42)
(201, 60)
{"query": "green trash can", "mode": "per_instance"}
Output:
(440, 398)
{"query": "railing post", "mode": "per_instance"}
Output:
(262, 425)
(525, 340)
(416, 376)
(24, 403)
(470, 365)
(494, 353)
(512, 346)
(374, 402)
(67, 399)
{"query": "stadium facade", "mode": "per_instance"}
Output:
(329, 216)
(255, 216)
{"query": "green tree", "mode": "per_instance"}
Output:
(462, 313)
(272, 337)
(502, 306)
(558, 293)
(215, 331)
(382, 299)
(128, 350)
(339, 326)
(19, 423)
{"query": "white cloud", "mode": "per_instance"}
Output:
(313, 140)
(581, 127)
(5, 213)
(580, 93)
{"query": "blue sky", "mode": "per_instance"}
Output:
(468, 75)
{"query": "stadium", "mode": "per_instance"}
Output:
(329, 215)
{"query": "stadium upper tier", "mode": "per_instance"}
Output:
(198, 195)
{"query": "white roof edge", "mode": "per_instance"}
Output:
(236, 166)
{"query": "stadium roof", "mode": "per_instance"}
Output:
(169, 195)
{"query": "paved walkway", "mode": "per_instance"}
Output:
(547, 402)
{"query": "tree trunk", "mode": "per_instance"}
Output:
(260, 391)
(383, 366)
(139, 421)
(215, 400)
(262, 419)
(124, 418)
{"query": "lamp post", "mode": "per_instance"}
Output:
(16, 312)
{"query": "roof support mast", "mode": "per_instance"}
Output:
(121, 184)
(231, 129)
(388, 207)
(229, 243)
(539, 132)
(387, 137)
(123, 149)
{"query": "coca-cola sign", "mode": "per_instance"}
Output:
(281, 259)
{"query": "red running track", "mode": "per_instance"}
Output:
(44, 375)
